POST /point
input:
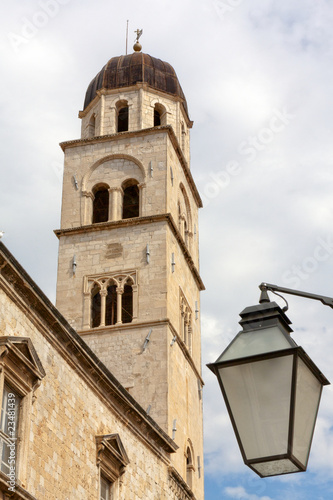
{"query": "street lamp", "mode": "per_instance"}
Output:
(271, 388)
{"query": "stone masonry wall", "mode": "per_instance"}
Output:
(65, 418)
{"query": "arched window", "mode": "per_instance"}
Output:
(127, 304)
(95, 306)
(110, 299)
(183, 137)
(159, 115)
(111, 306)
(189, 467)
(92, 126)
(131, 201)
(101, 205)
(157, 118)
(122, 119)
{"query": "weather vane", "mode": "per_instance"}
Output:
(137, 46)
(138, 34)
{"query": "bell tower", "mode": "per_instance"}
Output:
(128, 278)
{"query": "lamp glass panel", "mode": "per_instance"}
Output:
(308, 392)
(257, 342)
(275, 467)
(259, 397)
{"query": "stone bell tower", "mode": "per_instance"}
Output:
(128, 278)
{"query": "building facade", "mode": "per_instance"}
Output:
(113, 407)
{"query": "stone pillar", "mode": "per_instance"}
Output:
(113, 199)
(142, 199)
(103, 294)
(120, 292)
(135, 302)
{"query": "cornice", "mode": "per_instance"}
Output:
(179, 486)
(138, 133)
(136, 221)
(37, 307)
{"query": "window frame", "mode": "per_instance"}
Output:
(21, 371)
(112, 459)
(120, 279)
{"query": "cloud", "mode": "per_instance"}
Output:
(239, 492)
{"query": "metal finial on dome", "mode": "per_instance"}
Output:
(137, 46)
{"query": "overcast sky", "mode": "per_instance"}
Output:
(257, 75)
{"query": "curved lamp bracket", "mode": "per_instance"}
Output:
(268, 287)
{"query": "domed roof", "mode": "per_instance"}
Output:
(124, 71)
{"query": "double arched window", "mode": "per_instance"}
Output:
(116, 203)
(184, 217)
(185, 322)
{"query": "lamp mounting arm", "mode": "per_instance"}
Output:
(266, 287)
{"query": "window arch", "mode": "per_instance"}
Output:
(159, 115)
(122, 116)
(92, 126)
(183, 137)
(189, 467)
(184, 216)
(131, 199)
(185, 316)
(100, 204)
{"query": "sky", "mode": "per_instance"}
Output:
(257, 76)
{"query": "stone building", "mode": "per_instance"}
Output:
(107, 403)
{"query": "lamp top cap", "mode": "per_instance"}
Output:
(268, 312)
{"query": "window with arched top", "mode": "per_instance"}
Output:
(157, 118)
(184, 217)
(101, 205)
(122, 118)
(95, 306)
(159, 115)
(189, 467)
(131, 201)
(183, 137)
(92, 126)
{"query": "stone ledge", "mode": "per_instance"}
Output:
(136, 221)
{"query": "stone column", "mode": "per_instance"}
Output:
(103, 294)
(135, 302)
(120, 292)
(142, 200)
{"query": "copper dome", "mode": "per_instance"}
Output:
(124, 71)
